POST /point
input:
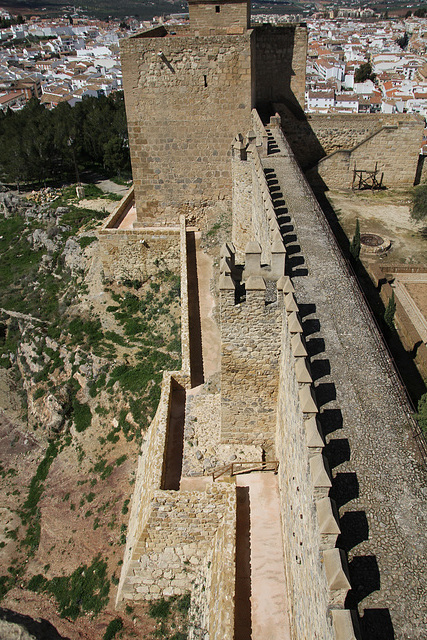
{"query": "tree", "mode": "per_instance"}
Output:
(355, 243)
(37, 145)
(390, 311)
(419, 202)
(364, 72)
(421, 416)
(403, 41)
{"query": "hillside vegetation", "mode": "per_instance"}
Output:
(81, 365)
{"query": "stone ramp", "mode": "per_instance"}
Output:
(258, 503)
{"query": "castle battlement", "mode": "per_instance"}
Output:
(299, 355)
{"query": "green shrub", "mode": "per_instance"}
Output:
(39, 393)
(419, 202)
(86, 241)
(160, 609)
(183, 603)
(390, 311)
(82, 415)
(113, 628)
(84, 591)
(421, 416)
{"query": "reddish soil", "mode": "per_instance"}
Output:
(418, 292)
(68, 537)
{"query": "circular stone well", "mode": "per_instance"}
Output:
(373, 243)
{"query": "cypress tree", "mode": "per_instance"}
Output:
(390, 311)
(355, 243)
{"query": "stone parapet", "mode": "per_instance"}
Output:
(135, 254)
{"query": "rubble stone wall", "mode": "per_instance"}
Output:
(250, 348)
(306, 580)
(137, 254)
(170, 550)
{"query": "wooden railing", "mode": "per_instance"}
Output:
(245, 467)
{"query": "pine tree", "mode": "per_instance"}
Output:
(355, 243)
(390, 311)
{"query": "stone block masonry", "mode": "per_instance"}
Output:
(250, 347)
(182, 117)
(188, 92)
(314, 136)
(393, 149)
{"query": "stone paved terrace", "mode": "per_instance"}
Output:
(378, 484)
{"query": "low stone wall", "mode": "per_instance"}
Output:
(212, 602)
(137, 254)
(393, 149)
(314, 136)
(120, 211)
(148, 480)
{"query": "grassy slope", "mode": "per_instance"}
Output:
(66, 491)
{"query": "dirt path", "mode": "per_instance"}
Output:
(386, 213)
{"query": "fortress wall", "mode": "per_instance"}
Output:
(250, 348)
(178, 533)
(260, 227)
(260, 200)
(394, 148)
(306, 579)
(253, 211)
(184, 105)
(242, 205)
(135, 254)
(280, 62)
(148, 479)
(212, 599)
(313, 136)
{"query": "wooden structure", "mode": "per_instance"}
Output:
(363, 179)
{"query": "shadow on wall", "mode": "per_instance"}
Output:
(242, 617)
(175, 439)
(305, 145)
(196, 357)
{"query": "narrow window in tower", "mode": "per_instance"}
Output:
(217, 8)
(205, 81)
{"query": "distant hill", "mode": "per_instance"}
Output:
(121, 8)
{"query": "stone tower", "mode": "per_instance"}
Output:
(188, 90)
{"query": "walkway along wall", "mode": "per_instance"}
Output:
(316, 571)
